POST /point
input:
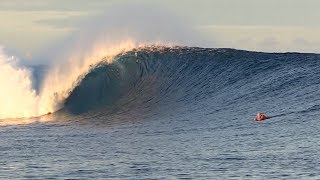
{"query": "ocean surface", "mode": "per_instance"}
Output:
(176, 113)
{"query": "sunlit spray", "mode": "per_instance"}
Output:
(17, 96)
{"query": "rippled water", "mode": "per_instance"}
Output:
(183, 147)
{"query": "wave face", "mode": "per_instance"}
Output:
(190, 81)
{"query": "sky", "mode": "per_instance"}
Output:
(29, 27)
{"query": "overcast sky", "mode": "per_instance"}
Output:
(30, 26)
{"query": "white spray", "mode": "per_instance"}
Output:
(17, 97)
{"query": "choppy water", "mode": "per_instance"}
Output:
(177, 113)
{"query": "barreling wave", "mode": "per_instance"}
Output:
(35, 91)
(180, 80)
(149, 80)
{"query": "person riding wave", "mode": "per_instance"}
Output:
(260, 117)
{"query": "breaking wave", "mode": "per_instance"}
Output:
(184, 80)
(148, 80)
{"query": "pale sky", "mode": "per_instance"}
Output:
(30, 26)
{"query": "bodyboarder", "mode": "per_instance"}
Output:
(260, 117)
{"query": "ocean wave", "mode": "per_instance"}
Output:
(151, 80)
(179, 78)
